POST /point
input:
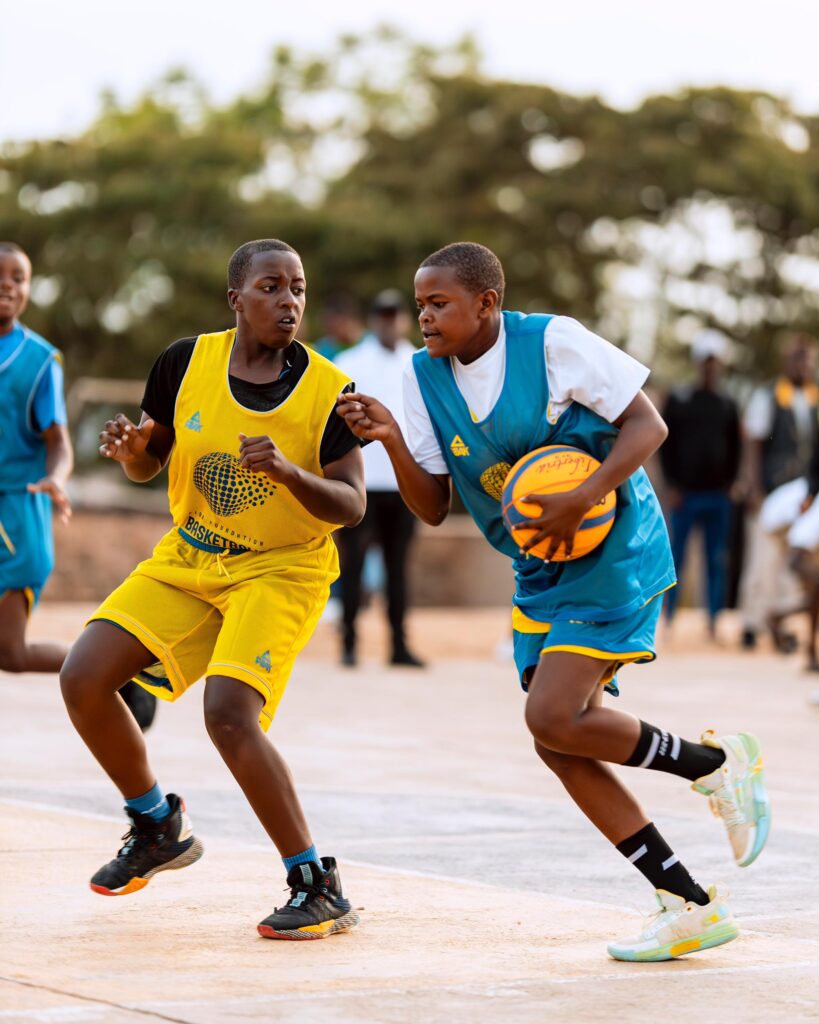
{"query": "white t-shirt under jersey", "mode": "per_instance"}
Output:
(378, 371)
(580, 367)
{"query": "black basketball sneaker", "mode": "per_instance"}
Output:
(316, 907)
(150, 846)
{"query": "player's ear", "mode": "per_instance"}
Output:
(487, 302)
(234, 300)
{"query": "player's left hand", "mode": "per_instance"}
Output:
(560, 520)
(56, 491)
(260, 455)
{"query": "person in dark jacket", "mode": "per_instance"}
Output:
(700, 461)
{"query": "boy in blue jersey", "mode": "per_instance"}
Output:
(36, 462)
(488, 388)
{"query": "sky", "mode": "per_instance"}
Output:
(56, 58)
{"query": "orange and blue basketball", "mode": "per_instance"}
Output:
(553, 470)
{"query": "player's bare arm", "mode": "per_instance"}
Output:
(338, 497)
(428, 495)
(642, 431)
(59, 463)
(141, 449)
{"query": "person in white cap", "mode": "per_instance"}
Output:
(700, 461)
(779, 425)
(378, 363)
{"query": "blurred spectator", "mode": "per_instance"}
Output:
(377, 367)
(779, 425)
(342, 325)
(700, 461)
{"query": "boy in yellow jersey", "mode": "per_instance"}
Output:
(260, 475)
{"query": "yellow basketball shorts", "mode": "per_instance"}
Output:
(204, 613)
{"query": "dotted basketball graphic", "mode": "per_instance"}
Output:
(552, 470)
(492, 479)
(228, 487)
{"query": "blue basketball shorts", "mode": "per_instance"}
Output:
(26, 543)
(626, 641)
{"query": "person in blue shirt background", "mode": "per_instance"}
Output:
(36, 460)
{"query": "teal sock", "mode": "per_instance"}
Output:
(308, 856)
(152, 803)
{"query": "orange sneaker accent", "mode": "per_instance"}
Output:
(133, 886)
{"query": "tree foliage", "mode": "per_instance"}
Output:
(700, 208)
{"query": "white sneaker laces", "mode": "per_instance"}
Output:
(726, 806)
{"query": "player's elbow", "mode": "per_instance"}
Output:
(433, 517)
(357, 517)
(356, 511)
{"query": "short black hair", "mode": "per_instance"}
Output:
(15, 248)
(240, 260)
(476, 267)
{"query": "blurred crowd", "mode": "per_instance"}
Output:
(745, 476)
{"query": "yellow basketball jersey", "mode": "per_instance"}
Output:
(212, 497)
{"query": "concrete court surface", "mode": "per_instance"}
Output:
(486, 896)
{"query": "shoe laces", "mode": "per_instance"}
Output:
(725, 805)
(140, 835)
(312, 892)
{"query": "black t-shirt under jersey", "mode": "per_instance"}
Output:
(165, 379)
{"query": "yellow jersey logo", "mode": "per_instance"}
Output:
(457, 447)
(493, 479)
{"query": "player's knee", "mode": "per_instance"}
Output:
(228, 726)
(550, 727)
(79, 684)
(73, 685)
(12, 658)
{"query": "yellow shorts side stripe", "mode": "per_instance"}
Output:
(593, 652)
(162, 653)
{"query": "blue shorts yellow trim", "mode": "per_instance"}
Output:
(622, 642)
(26, 543)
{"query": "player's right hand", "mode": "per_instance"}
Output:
(366, 417)
(123, 440)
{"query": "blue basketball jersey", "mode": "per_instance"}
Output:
(634, 562)
(26, 544)
(26, 358)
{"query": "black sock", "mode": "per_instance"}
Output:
(664, 752)
(654, 858)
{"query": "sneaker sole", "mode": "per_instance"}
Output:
(190, 856)
(762, 804)
(706, 940)
(313, 931)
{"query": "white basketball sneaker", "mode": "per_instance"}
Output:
(736, 793)
(677, 928)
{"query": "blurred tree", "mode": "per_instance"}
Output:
(700, 208)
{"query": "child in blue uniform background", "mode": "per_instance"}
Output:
(489, 388)
(35, 462)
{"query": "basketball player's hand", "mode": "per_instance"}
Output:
(260, 455)
(560, 520)
(55, 489)
(366, 417)
(124, 441)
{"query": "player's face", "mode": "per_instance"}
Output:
(452, 318)
(15, 285)
(271, 301)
